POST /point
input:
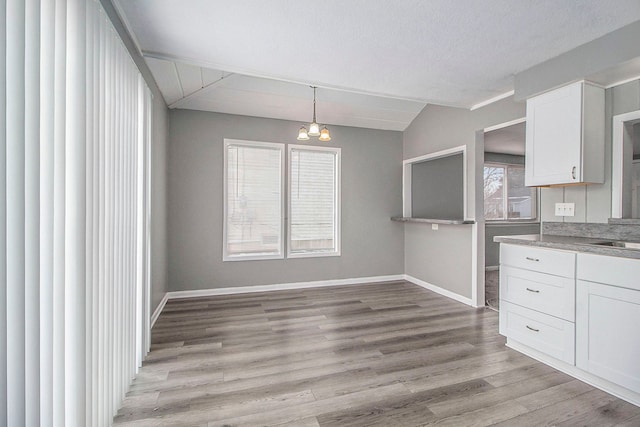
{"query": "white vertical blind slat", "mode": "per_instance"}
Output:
(47, 36)
(102, 309)
(58, 391)
(90, 206)
(15, 182)
(32, 212)
(75, 216)
(3, 220)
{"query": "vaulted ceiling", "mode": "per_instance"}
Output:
(377, 63)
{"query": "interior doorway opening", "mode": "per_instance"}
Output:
(510, 208)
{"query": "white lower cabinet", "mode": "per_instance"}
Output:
(607, 333)
(608, 319)
(586, 324)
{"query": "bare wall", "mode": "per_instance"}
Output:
(372, 245)
(427, 251)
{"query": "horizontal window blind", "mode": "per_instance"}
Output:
(313, 201)
(253, 200)
(74, 214)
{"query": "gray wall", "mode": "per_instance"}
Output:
(437, 188)
(372, 245)
(159, 276)
(444, 257)
(509, 159)
(159, 243)
(593, 202)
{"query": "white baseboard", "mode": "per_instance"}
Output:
(158, 310)
(283, 286)
(439, 290)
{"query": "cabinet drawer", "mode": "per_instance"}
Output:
(559, 263)
(546, 293)
(547, 334)
(622, 272)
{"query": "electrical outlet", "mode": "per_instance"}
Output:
(434, 226)
(565, 209)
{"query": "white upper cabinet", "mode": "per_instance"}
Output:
(565, 136)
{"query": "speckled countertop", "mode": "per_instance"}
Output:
(569, 243)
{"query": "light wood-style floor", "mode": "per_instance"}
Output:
(390, 354)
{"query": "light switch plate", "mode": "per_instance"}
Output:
(559, 209)
(434, 226)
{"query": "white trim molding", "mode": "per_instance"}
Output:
(284, 286)
(492, 100)
(617, 173)
(159, 308)
(439, 290)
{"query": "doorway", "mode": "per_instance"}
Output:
(510, 208)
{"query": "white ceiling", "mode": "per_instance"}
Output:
(377, 62)
(196, 88)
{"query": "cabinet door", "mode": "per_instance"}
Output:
(607, 337)
(554, 137)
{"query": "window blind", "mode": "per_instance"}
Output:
(74, 214)
(253, 200)
(313, 201)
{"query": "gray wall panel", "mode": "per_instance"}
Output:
(444, 257)
(437, 188)
(372, 245)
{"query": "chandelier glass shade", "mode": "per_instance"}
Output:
(314, 127)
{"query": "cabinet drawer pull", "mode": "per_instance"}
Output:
(573, 172)
(532, 259)
(533, 329)
(533, 290)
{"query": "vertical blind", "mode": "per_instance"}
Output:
(74, 214)
(313, 201)
(253, 182)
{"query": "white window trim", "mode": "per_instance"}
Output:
(245, 143)
(536, 200)
(337, 213)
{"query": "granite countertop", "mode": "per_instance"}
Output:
(569, 243)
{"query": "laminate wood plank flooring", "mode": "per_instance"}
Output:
(384, 354)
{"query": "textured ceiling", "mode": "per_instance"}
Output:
(446, 52)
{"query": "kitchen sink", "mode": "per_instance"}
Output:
(619, 244)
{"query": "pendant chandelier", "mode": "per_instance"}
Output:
(314, 127)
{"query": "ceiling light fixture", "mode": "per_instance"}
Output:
(314, 127)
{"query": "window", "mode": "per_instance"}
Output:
(253, 190)
(314, 201)
(505, 196)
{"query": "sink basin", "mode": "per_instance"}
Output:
(618, 244)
